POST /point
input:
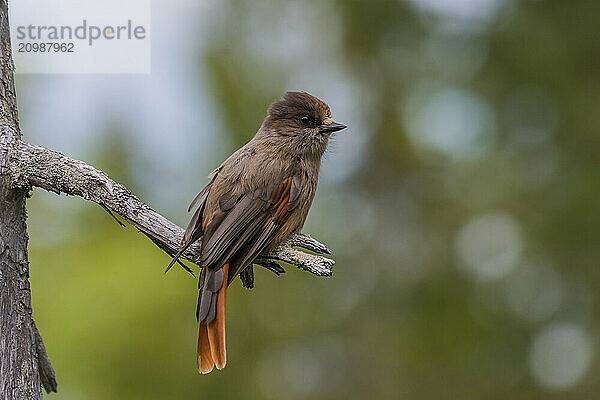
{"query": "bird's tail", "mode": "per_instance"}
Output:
(211, 316)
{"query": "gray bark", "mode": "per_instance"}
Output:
(24, 365)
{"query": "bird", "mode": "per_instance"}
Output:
(255, 199)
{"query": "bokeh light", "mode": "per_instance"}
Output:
(560, 355)
(489, 246)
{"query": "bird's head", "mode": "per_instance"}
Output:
(300, 122)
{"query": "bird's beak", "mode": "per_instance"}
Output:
(329, 126)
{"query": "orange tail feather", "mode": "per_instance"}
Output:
(205, 360)
(216, 329)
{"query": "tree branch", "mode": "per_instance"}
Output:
(55, 172)
(47, 376)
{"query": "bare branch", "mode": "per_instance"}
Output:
(47, 376)
(309, 243)
(55, 172)
(312, 263)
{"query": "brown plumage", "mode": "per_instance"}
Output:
(255, 199)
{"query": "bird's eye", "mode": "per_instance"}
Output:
(305, 120)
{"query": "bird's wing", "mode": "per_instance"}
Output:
(194, 229)
(245, 225)
(206, 189)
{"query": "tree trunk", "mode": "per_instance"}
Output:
(20, 342)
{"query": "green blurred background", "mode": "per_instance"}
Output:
(460, 204)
